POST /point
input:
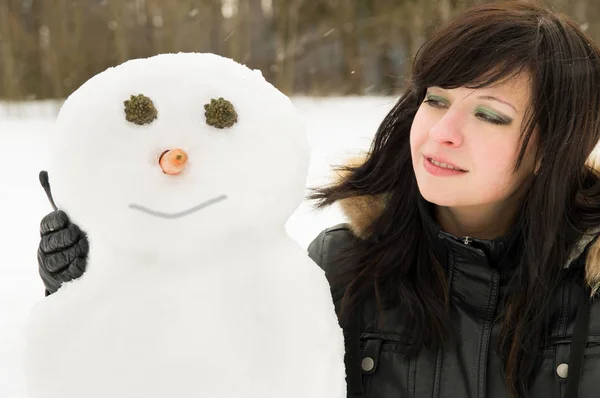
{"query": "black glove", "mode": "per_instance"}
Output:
(63, 250)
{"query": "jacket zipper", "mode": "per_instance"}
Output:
(487, 323)
(465, 240)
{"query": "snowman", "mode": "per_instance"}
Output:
(183, 169)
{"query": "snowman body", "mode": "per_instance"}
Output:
(183, 169)
(197, 331)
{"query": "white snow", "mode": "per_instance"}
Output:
(193, 286)
(336, 128)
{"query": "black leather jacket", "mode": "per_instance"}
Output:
(469, 368)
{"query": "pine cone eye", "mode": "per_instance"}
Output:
(220, 113)
(140, 110)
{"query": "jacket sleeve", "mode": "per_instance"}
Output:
(326, 250)
(315, 249)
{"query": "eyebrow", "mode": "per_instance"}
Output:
(491, 97)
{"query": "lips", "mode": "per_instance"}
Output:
(438, 171)
(443, 163)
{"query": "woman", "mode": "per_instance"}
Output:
(469, 263)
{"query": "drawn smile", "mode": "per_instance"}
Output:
(181, 213)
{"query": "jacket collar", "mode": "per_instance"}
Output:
(495, 250)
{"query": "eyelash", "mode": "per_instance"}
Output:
(432, 102)
(499, 122)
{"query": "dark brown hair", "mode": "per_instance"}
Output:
(484, 45)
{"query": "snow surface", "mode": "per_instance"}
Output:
(337, 128)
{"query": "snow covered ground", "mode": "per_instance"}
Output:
(337, 128)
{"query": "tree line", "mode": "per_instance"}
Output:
(48, 48)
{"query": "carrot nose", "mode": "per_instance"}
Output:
(173, 161)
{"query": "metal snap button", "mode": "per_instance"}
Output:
(367, 364)
(562, 370)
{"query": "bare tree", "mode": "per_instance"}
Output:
(319, 47)
(286, 14)
(346, 23)
(9, 75)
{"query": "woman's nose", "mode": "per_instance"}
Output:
(173, 161)
(448, 129)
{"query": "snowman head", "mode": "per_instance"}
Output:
(178, 152)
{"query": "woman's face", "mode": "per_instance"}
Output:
(465, 142)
